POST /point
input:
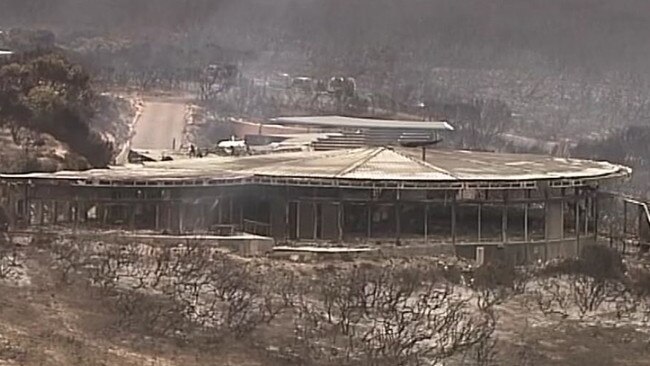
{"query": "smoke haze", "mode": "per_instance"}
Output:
(591, 35)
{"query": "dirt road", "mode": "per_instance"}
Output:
(161, 123)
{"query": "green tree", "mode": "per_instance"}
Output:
(45, 92)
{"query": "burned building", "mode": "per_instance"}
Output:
(480, 204)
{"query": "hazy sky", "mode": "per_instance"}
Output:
(589, 33)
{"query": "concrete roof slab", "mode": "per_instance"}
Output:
(370, 164)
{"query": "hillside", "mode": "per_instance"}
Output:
(70, 301)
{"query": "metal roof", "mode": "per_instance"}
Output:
(363, 167)
(350, 122)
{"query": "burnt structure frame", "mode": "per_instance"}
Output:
(229, 205)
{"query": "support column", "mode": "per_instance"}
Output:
(504, 223)
(220, 204)
(298, 221)
(104, 214)
(339, 220)
(644, 227)
(596, 217)
(69, 209)
(75, 215)
(82, 211)
(240, 213)
(526, 235)
(41, 212)
(554, 220)
(181, 218)
(54, 213)
(398, 222)
(169, 209)
(526, 209)
(480, 223)
(157, 216)
(287, 212)
(27, 206)
(369, 227)
(231, 211)
(314, 208)
(426, 223)
(588, 207)
(306, 220)
(202, 221)
(624, 220)
(329, 220)
(546, 225)
(278, 219)
(398, 216)
(453, 220)
(577, 224)
(132, 211)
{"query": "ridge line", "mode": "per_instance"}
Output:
(425, 164)
(354, 166)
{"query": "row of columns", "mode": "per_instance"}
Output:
(325, 220)
(313, 219)
(45, 212)
(52, 212)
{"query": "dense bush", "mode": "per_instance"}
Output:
(596, 261)
(44, 92)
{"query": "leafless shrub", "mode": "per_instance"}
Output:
(386, 316)
(583, 284)
(68, 258)
(105, 268)
(498, 281)
(148, 313)
(581, 293)
(552, 297)
(393, 314)
(210, 291)
(242, 297)
(8, 258)
(227, 301)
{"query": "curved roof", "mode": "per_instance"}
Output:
(363, 167)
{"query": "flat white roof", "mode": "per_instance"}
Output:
(351, 122)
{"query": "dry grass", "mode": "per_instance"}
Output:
(45, 322)
(528, 338)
